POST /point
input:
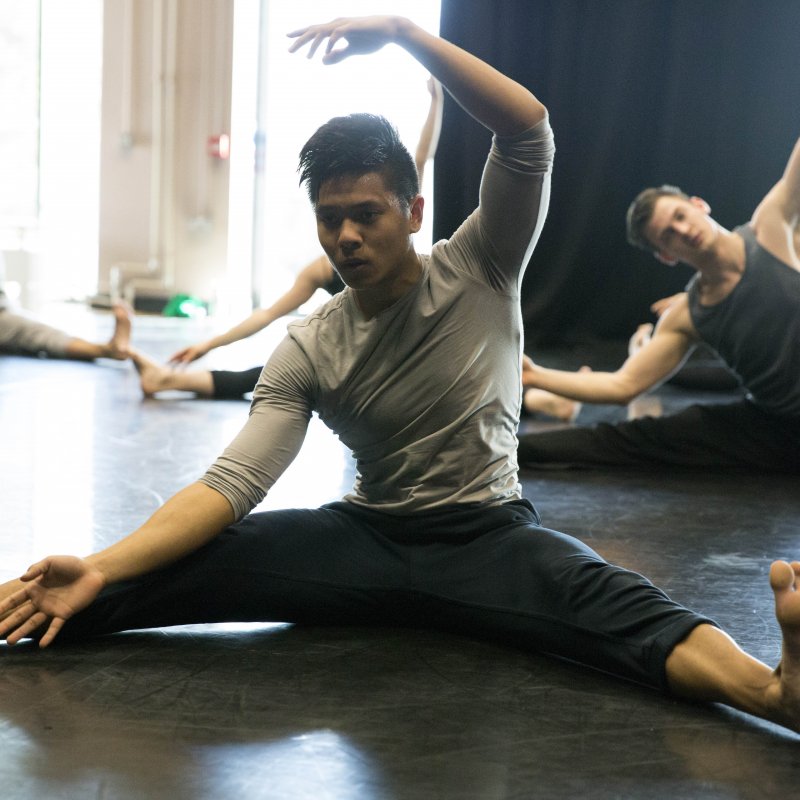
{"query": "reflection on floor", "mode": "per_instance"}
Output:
(274, 711)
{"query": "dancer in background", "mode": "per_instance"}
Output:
(22, 334)
(319, 274)
(743, 302)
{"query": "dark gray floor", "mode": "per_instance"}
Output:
(274, 711)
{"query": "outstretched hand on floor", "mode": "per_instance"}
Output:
(54, 589)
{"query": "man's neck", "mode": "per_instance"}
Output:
(372, 301)
(722, 267)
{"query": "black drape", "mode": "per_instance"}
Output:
(704, 94)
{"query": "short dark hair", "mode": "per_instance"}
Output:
(641, 210)
(355, 145)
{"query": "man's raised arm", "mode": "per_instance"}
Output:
(501, 104)
(789, 187)
(780, 210)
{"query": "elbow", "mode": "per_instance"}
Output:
(622, 393)
(532, 116)
(538, 111)
(526, 114)
(627, 398)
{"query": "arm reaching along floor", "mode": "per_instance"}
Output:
(57, 587)
(672, 341)
(312, 277)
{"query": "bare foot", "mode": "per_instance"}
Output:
(153, 377)
(645, 405)
(539, 401)
(785, 581)
(119, 344)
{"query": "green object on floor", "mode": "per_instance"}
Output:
(184, 305)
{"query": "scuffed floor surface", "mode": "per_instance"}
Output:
(275, 711)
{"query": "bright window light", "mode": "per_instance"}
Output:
(301, 94)
(19, 131)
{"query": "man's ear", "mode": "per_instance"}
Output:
(701, 204)
(416, 213)
(665, 259)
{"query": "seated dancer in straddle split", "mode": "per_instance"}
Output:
(416, 366)
(743, 302)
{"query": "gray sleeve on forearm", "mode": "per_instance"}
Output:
(272, 435)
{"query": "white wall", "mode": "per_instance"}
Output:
(167, 86)
(163, 197)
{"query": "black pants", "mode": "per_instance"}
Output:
(722, 436)
(493, 573)
(230, 385)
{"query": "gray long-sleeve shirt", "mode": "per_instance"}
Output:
(427, 393)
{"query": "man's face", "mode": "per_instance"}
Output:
(365, 230)
(680, 229)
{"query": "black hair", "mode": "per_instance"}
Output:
(355, 145)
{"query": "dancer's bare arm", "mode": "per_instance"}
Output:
(671, 342)
(431, 128)
(312, 277)
(785, 194)
(777, 218)
(495, 100)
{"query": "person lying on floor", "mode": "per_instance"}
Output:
(416, 366)
(743, 302)
(23, 334)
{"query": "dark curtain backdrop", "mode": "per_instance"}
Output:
(701, 93)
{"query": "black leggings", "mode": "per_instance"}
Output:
(736, 435)
(234, 385)
(493, 573)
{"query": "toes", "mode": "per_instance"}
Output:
(782, 575)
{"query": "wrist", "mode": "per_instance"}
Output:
(404, 30)
(101, 567)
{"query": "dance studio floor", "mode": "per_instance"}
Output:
(275, 711)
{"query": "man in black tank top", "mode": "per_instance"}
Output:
(743, 302)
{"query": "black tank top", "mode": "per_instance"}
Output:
(756, 328)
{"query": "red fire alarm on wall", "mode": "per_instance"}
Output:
(220, 146)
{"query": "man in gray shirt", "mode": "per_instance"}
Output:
(416, 366)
